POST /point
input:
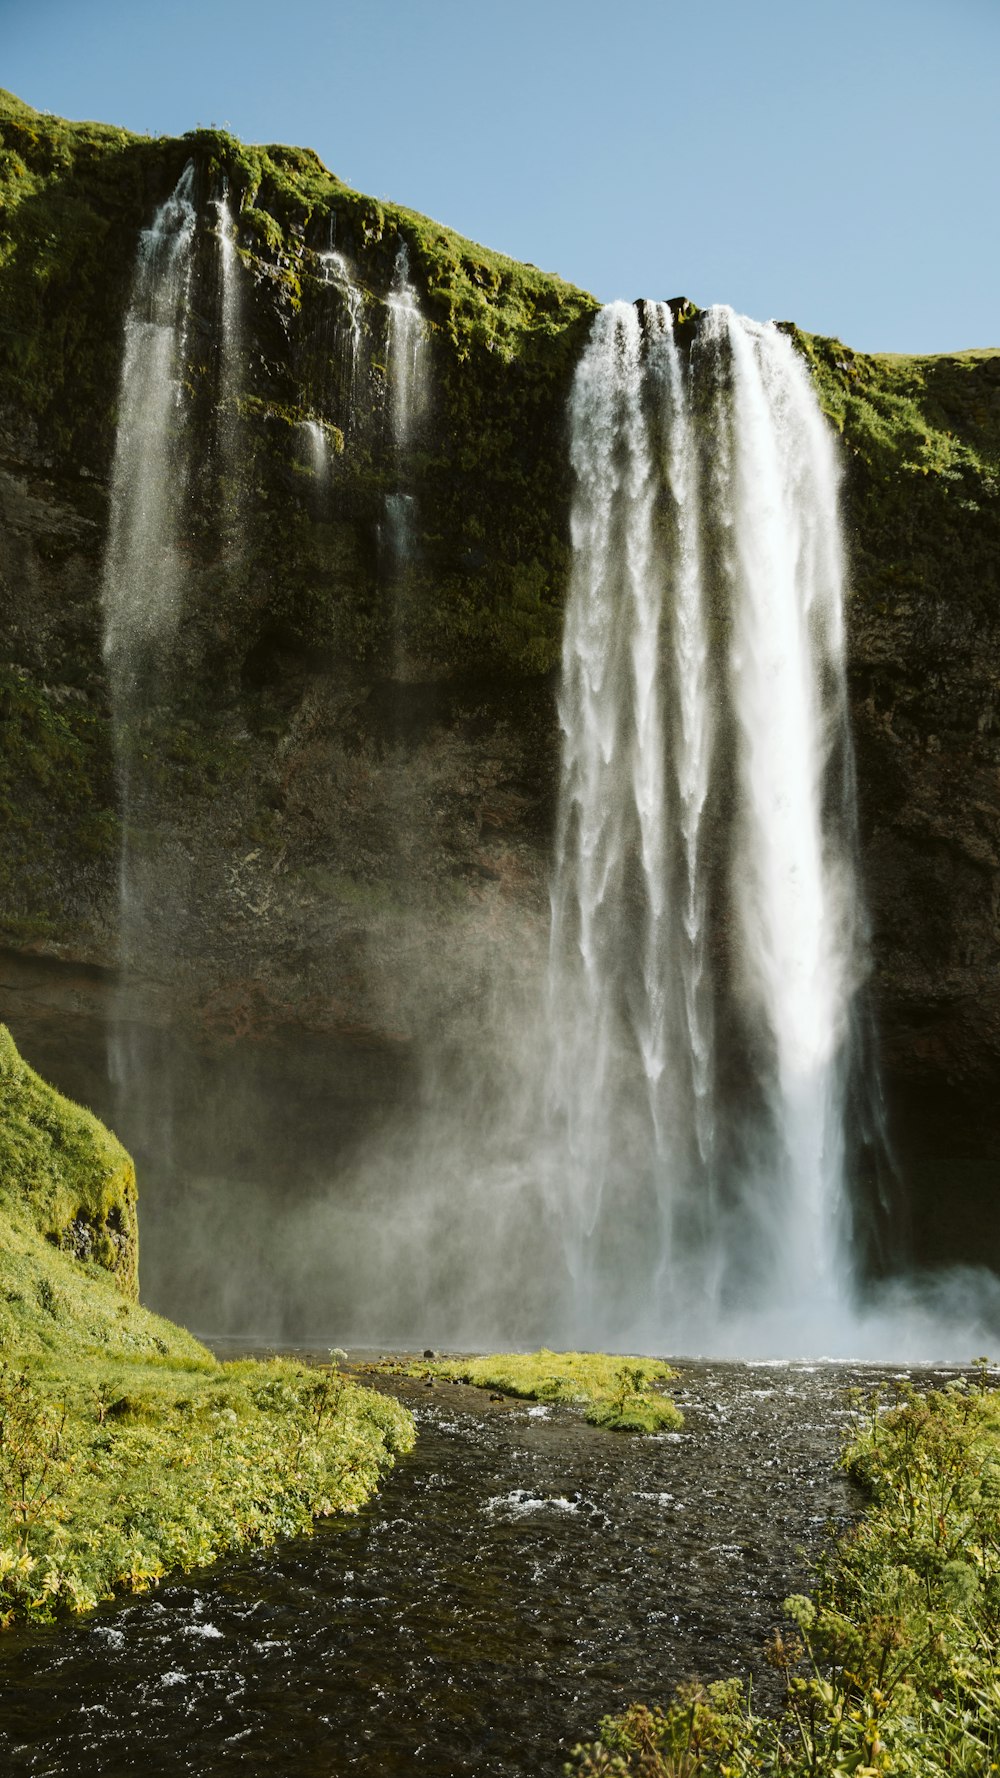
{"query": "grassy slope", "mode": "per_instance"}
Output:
(893, 1665)
(126, 1449)
(621, 1393)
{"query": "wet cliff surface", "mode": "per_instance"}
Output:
(346, 766)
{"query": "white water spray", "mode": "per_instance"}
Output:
(609, 997)
(318, 449)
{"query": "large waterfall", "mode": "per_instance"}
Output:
(704, 950)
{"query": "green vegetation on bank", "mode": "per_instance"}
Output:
(624, 1394)
(893, 1664)
(126, 1449)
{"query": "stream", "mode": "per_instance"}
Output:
(520, 1575)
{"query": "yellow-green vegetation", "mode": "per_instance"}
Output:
(921, 440)
(893, 1664)
(116, 1467)
(622, 1393)
(126, 1448)
(61, 1167)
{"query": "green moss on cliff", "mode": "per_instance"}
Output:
(65, 1171)
(922, 456)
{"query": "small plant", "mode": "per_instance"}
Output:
(33, 1456)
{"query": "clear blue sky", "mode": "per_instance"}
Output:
(836, 163)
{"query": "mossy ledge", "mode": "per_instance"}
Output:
(126, 1449)
(622, 1394)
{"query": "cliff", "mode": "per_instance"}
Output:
(348, 759)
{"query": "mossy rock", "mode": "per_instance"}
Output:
(65, 1172)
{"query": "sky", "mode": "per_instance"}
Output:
(837, 164)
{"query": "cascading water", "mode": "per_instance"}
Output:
(318, 449)
(613, 1006)
(406, 353)
(700, 779)
(793, 883)
(231, 355)
(350, 326)
(144, 564)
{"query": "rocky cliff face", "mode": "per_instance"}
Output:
(344, 768)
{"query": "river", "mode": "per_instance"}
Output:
(519, 1575)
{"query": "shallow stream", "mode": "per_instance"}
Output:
(520, 1575)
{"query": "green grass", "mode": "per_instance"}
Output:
(116, 1469)
(892, 1665)
(126, 1449)
(619, 1393)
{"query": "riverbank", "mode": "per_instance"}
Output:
(127, 1450)
(892, 1663)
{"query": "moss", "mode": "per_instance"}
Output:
(61, 1166)
(620, 1393)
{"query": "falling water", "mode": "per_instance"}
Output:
(698, 774)
(142, 571)
(144, 564)
(793, 884)
(693, 1206)
(230, 337)
(318, 449)
(610, 880)
(406, 353)
(338, 275)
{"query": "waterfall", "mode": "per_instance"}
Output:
(703, 888)
(318, 449)
(406, 353)
(338, 275)
(144, 571)
(231, 354)
(794, 893)
(608, 988)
